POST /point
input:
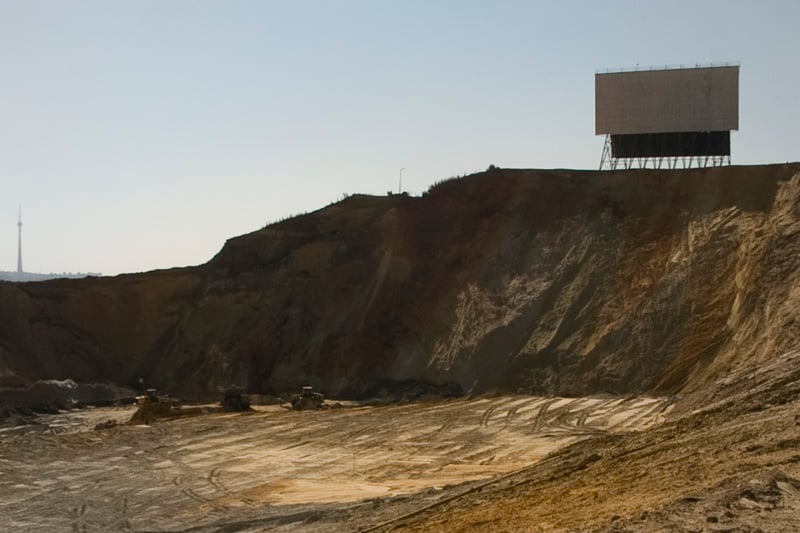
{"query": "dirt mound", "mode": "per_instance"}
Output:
(403, 391)
(50, 396)
(548, 282)
(764, 502)
(151, 412)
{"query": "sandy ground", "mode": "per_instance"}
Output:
(730, 465)
(280, 469)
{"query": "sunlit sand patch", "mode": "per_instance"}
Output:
(198, 469)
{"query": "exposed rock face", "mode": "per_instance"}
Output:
(561, 282)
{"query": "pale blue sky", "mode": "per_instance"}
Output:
(142, 134)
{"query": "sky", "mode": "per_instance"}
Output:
(139, 135)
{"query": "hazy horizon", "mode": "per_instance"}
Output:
(142, 135)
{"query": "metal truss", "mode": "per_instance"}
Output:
(609, 162)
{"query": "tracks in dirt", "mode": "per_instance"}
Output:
(214, 468)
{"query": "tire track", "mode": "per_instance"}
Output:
(540, 419)
(487, 415)
(209, 465)
(214, 480)
(187, 491)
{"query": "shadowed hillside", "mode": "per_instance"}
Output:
(557, 282)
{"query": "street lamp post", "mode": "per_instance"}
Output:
(400, 183)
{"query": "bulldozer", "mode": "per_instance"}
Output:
(151, 396)
(307, 399)
(153, 406)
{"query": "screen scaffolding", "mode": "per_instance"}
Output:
(667, 116)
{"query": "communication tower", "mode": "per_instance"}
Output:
(19, 241)
(667, 115)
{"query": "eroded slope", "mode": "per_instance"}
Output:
(556, 282)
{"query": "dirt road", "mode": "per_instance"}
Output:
(222, 471)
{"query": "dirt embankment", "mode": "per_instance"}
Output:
(730, 466)
(554, 282)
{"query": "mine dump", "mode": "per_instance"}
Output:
(515, 350)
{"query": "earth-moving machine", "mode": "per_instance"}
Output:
(307, 399)
(152, 396)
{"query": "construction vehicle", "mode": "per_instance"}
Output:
(307, 399)
(153, 406)
(149, 396)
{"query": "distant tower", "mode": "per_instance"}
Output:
(19, 242)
